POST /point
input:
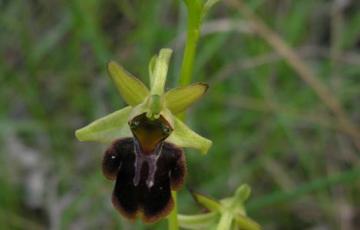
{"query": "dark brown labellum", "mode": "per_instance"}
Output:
(137, 193)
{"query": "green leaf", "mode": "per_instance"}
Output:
(183, 136)
(207, 202)
(179, 99)
(132, 90)
(199, 221)
(159, 71)
(108, 128)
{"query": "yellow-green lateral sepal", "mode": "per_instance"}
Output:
(183, 136)
(132, 90)
(108, 128)
(179, 99)
(207, 202)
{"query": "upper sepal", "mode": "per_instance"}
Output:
(158, 68)
(132, 90)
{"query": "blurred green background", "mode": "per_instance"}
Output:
(270, 130)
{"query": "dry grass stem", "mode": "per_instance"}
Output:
(301, 68)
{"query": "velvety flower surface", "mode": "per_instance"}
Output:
(139, 199)
(145, 157)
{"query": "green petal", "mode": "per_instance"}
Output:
(207, 202)
(158, 69)
(179, 99)
(132, 90)
(183, 136)
(199, 221)
(108, 128)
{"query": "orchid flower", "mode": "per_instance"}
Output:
(146, 157)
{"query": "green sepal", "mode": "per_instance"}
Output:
(108, 128)
(199, 221)
(183, 136)
(207, 202)
(158, 69)
(179, 99)
(132, 90)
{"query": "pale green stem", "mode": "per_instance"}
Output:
(173, 223)
(189, 55)
(193, 28)
(192, 37)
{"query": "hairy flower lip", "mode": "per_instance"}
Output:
(151, 203)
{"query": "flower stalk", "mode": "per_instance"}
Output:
(192, 37)
(196, 10)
